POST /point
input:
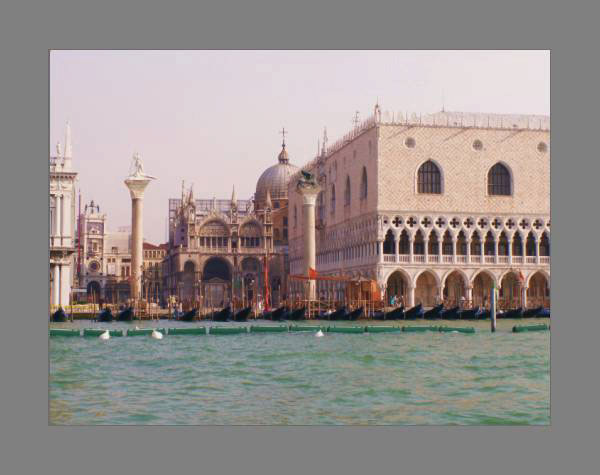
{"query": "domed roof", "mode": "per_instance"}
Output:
(275, 179)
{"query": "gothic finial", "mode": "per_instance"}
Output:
(58, 149)
(233, 198)
(324, 147)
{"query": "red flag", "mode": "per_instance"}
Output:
(312, 273)
(521, 277)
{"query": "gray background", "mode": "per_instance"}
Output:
(28, 445)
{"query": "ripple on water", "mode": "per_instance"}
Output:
(297, 379)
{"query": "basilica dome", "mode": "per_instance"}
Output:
(275, 179)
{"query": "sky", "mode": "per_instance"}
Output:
(213, 118)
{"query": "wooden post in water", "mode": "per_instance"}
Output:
(493, 303)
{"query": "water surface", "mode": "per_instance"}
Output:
(295, 378)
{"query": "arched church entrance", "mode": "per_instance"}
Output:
(216, 283)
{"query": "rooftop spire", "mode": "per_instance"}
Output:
(324, 149)
(233, 198)
(68, 149)
(283, 155)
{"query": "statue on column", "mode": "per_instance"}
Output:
(138, 168)
(306, 181)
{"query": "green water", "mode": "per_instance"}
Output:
(296, 378)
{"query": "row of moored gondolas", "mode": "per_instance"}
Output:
(343, 313)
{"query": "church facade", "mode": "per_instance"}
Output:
(435, 208)
(224, 250)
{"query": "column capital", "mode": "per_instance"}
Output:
(137, 186)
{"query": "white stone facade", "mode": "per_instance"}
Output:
(385, 229)
(62, 224)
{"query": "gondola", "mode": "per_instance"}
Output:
(324, 314)
(396, 314)
(512, 313)
(470, 314)
(188, 316)
(59, 316)
(125, 315)
(532, 312)
(242, 315)
(378, 315)
(450, 313)
(298, 314)
(355, 314)
(105, 316)
(414, 313)
(339, 314)
(434, 313)
(222, 315)
(278, 314)
(543, 313)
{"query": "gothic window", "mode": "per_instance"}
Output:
(388, 244)
(530, 245)
(429, 179)
(461, 244)
(332, 199)
(475, 244)
(503, 245)
(404, 243)
(363, 185)
(347, 192)
(434, 243)
(544, 245)
(489, 246)
(499, 182)
(419, 244)
(447, 244)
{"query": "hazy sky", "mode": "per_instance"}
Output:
(213, 118)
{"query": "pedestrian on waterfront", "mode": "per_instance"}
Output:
(462, 302)
(401, 302)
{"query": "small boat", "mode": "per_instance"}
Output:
(277, 315)
(450, 313)
(242, 315)
(469, 314)
(125, 315)
(543, 313)
(512, 313)
(222, 315)
(188, 316)
(532, 312)
(415, 312)
(105, 316)
(396, 314)
(339, 314)
(378, 315)
(59, 316)
(355, 314)
(324, 315)
(434, 313)
(297, 314)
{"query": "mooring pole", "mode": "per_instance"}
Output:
(493, 303)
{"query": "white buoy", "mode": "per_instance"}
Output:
(156, 335)
(319, 333)
(137, 328)
(105, 335)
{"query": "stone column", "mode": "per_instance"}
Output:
(496, 242)
(468, 251)
(469, 295)
(137, 186)
(57, 232)
(55, 284)
(396, 248)
(411, 297)
(509, 251)
(309, 199)
(411, 250)
(454, 241)
(537, 250)
(426, 250)
(65, 285)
